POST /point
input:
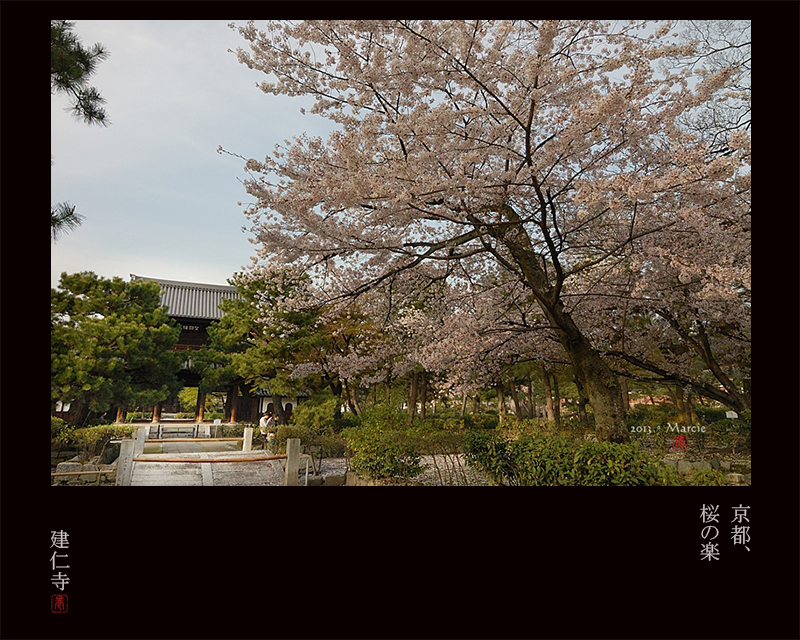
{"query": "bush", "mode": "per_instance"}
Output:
(481, 421)
(543, 460)
(708, 415)
(489, 451)
(734, 433)
(59, 429)
(657, 415)
(314, 424)
(379, 453)
(93, 440)
(346, 421)
(446, 422)
(383, 446)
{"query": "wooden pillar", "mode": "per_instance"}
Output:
(199, 412)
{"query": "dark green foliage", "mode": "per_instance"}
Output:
(383, 446)
(59, 429)
(92, 441)
(542, 460)
(314, 424)
(559, 460)
(71, 66)
(110, 343)
(481, 421)
(383, 454)
(651, 415)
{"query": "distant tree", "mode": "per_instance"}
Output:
(111, 344)
(71, 65)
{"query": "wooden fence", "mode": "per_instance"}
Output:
(130, 450)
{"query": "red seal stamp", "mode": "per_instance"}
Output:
(59, 603)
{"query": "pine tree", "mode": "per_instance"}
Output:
(71, 65)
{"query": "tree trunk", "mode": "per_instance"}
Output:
(601, 384)
(354, 405)
(412, 398)
(515, 400)
(278, 407)
(582, 401)
(691, 416)
(424, 398)
(530, 396)
(556, 400)
(464, 405)
(677, 400)
(626, 401)
(501, 404)
(200, 409)
(552, 416)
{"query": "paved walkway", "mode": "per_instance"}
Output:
(204, 474)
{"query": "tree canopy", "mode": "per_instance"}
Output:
(111, 343)
(546, 162)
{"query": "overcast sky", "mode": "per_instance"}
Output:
(157, 198)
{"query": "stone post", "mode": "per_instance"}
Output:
(292, 462)
(247, 443)
(141, 436)
(125, 463)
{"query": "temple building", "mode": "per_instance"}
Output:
(194, 307)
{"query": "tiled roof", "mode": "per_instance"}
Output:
(191, 299)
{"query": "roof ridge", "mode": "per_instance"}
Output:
(184, 283)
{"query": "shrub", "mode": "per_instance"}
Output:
(313, 424)
(651, 415)
(93, 440)
(383, 446)
(545, 460)
(347, 420)
(481, 421)
(707, 478)
(447, 422)
(488, 450)
(733, 433)
(708, 415)
(59, 429)
(383, 453)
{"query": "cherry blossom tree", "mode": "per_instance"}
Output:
(548, 150)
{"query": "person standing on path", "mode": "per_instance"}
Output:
(267, 427)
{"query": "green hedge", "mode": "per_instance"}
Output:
(543, 460)
(91, 441)
(378, 453)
